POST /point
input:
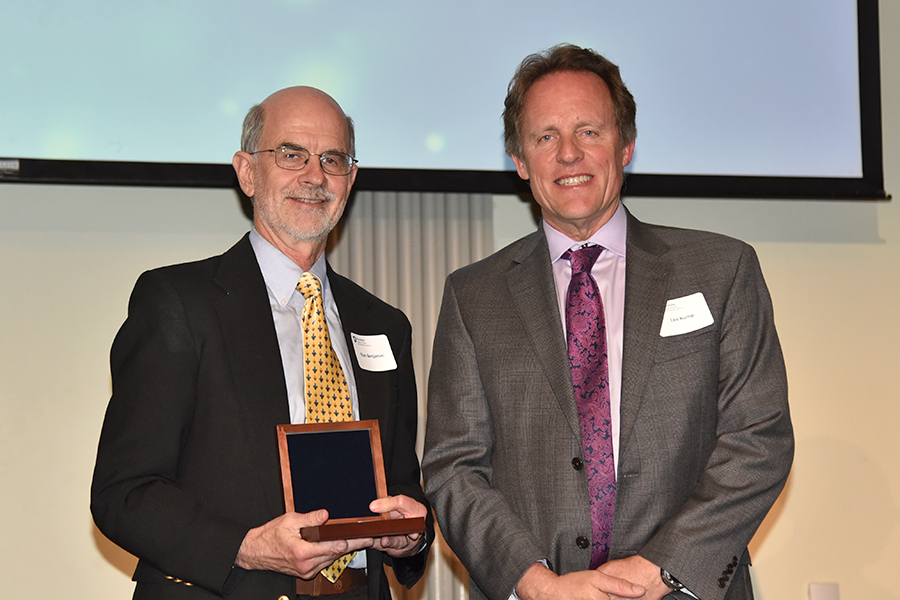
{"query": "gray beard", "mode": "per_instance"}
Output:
(317, 233)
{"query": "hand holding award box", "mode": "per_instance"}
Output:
(339, 467)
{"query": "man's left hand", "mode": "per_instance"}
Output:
(399, 507)
(637, 570)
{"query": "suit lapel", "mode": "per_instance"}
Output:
(252, 348)
(646, 278)
(533, 292)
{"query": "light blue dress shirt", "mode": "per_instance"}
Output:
(281, 275)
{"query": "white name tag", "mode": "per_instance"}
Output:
(686, 314)
(373, 352)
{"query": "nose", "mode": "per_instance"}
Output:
(313, 173)
(568, 151)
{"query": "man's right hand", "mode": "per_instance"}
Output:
(277, 546)
(540, 583)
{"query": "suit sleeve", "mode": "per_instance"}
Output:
(705, 540)
(477, 520)
(135, 498)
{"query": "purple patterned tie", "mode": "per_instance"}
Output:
(586, 340)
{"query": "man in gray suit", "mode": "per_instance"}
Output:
(627, 440)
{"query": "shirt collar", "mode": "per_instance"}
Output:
(280, 273)
(611, 236)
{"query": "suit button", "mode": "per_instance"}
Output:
(582, 542)
(283, 598)
(577, 463)
(721, 584)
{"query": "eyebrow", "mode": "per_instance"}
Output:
(293, 146)
(542, 131)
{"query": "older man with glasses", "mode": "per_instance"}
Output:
(212, 357)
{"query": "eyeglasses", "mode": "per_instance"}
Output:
(296, 159)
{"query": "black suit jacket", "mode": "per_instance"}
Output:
(188, 457)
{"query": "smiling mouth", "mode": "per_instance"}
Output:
(312, 195)
(570, 181)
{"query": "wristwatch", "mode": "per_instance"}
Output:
(669, 580)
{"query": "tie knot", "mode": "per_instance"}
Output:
(583, 259)
(309, 286)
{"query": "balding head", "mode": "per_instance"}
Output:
(298, 98)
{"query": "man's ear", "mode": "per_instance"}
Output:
(521, 167)
(243, 168)
(628, 154)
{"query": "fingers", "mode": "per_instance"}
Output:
(539, 583)
(639, 570)
(312, 557)
(400, 546)
(318, 555)
(399, 506)
(621, 588)
(296, 521)
(399, 542)
(279, 546)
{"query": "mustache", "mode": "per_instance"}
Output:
(316, 192)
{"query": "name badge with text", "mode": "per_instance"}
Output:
(684, 315)
(373, 352)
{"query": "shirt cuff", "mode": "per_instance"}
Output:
(515, 596)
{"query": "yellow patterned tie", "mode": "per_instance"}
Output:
(327, 394)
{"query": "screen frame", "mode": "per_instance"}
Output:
(870, 186)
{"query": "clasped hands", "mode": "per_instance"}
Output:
(278, 546)
(628, 578)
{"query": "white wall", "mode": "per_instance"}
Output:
(68, 259)
(69, 256)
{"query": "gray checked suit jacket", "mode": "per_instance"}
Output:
(706, 441)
